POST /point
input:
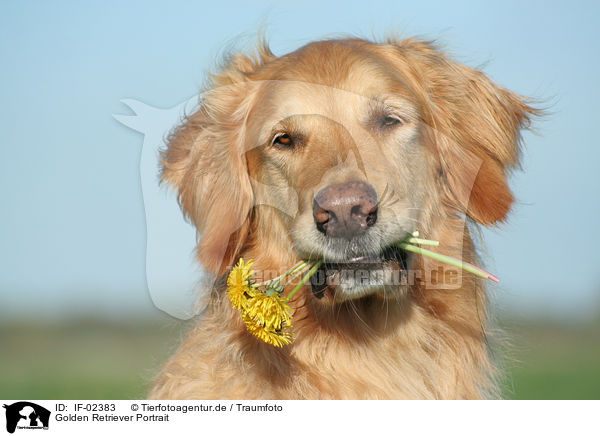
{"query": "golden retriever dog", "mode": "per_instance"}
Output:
(338, 151)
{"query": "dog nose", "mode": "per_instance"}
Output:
(345, 210)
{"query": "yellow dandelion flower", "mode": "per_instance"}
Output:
(269, 311)
(266, 314)
(238, 283)
(277, 338)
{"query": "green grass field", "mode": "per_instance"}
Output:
(553, 361)
(83, 359)
(86, 359)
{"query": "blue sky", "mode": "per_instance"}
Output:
(72, 225)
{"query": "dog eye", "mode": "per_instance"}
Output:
(283, 140)
(391, 121)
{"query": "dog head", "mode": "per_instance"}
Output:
(340, 150)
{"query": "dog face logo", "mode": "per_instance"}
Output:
(170, 239)
(24, 414)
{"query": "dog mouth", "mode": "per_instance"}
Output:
(359, 266)
(389, 254)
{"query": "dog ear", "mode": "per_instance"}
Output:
(205, 162)
(476, 127)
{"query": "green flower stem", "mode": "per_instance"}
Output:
(448, 260)
(298, 267)
(295, 274)
(420, 241)
(293, 270)
(306, 277)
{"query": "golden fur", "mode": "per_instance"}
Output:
(445, 167)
